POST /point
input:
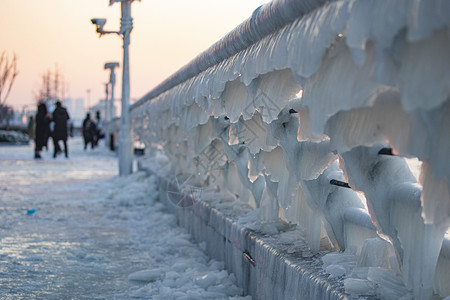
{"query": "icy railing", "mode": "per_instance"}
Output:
(316, 119)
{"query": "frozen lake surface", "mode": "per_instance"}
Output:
(72, 229)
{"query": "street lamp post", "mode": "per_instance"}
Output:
(110, 125)
(126, 25)
(112, 80)
(88, 92)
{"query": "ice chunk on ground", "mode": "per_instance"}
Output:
(359, 286)
(335, 270)
(146, 275)
(206, 280)
(389, 286)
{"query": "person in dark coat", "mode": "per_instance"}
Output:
(42, 129)
(60, 132)
(99, 124)
(89, 130)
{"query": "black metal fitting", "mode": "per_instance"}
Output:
(339, 183)
(249, 258)
(385, 151)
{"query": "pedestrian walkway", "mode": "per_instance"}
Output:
(72, 229)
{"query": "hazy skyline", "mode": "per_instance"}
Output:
(166, 36)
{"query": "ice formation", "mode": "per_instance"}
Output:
(374, 81)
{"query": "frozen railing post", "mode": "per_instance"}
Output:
(309, 111)
(126, 26)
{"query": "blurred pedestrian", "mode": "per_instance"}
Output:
(60, 132)
(52, 132)
(42, 129)
(99, 128)
(31, 128)
(71, 128)
(89, 131)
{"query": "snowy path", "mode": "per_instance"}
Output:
(71, 229)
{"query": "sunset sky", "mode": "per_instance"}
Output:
(166, 36)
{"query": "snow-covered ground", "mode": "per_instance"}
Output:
(72, 229)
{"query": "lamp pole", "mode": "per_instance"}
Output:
(126, 25)
(88, 92)
(112, 80)
(125, 148)
(110, 126)
(105, 116)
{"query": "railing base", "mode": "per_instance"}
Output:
(263, 268)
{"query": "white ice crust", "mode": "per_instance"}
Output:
(372, 75)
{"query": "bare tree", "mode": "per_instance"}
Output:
(56, 82)
(52, 87)
(8, 73)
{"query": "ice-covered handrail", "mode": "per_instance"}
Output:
(365, 83)
(265, 20)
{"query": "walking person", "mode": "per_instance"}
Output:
(60, 132)
(71, 128)
(48, 130)
(99, 128)
(89, 131)
(42, 129)
(57, 148)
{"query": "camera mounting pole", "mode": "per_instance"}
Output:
(125, 143)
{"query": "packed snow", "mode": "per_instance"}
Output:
(71, 228)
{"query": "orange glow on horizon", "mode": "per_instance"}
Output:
(166, 36)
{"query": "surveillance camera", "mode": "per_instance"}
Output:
(98, 21)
